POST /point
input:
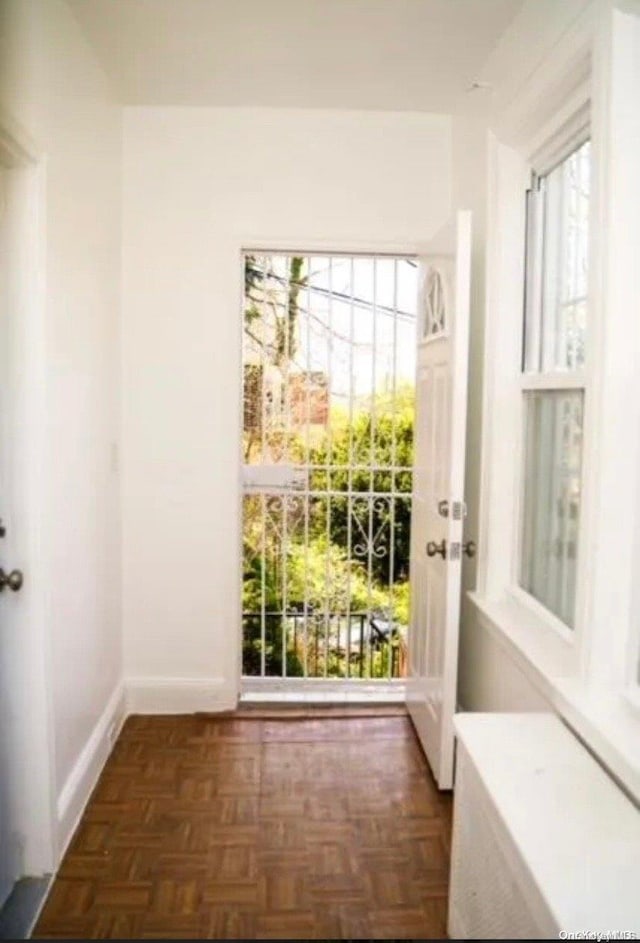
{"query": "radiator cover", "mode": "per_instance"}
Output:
(543, 840)
(490, 895)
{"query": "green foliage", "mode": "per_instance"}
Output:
(252, 649)
(320, 570)
(379, 436)
(322, 574)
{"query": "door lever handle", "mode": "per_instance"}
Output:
(433, 548)
(13, 580)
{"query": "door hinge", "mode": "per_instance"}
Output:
(458, 510)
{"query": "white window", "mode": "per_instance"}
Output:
(553, 383)
(559, 524)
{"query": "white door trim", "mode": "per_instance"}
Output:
(246, 243)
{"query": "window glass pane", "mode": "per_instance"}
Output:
(557, 266)
(551, 499)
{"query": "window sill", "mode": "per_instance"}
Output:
(531, 640)
(606, 720)
(608, 723)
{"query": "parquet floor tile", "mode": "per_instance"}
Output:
(250, 827)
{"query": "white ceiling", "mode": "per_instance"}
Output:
(394, 55)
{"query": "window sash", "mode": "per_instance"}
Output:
(556, 267)
(554, 381)
(552, 367)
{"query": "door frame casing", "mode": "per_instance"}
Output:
(20, 154)
(304, 245)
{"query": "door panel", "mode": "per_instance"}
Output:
(11, 645)
(438, 497)
(25, 786)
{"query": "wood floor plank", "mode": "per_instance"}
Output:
(316, 826)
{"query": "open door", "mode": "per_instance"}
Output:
(26, 807)
(438, 492)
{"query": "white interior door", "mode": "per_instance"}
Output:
(25, 798)
(438, 492)
(12, 600)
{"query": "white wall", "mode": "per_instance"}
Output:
(198, 185)
(51, 84)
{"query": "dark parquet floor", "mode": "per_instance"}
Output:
(242, 827)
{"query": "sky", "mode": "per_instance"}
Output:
(384, 307)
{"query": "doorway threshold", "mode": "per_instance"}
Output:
(320, 691)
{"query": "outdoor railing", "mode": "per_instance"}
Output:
(322, 645)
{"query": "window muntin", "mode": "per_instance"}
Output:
(555, 326)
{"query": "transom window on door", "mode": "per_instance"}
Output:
(554, 383)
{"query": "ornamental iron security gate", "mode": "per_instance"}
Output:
(329, 365)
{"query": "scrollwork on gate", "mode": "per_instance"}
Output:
(371, 542)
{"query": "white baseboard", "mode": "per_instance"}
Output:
(179, 695)
(134, 696)
(76, 791)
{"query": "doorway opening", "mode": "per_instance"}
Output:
(329, 356)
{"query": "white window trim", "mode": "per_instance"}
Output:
(606, 722)
(577, 380)
(539, 611)
(590, 678)
(573, 130)
(571, 133)
(540, 635)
